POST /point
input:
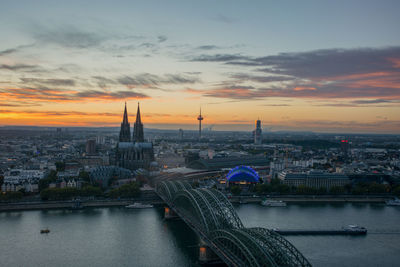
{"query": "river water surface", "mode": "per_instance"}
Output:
(122, 237)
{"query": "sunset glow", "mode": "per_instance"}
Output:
(67, 66)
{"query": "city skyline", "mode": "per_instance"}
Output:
(306, 66)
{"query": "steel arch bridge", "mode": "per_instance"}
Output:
(210, 214)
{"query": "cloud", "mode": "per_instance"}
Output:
(360, 103)
(8, 51)
(19, 104)
(103, 82)
(225, 19)
(276, 105)
(261, 79)
(13, 50)
(373, 101)
(19, 67)
(60, 113)
(54, 82)
(218, 58)
(46, 94)
(67, 36)
(330, 62)
(207, 47)
(371, 73)
(118, 95)
(151, 81)
(162, 38)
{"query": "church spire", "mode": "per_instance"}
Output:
(125, 132)
(138, 135)
(138, 119)
(125, 120)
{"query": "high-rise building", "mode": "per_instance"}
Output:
(125, 133)
(257, 133)
(91, 146)
(180, 134)
(200, 118)
(344, 146)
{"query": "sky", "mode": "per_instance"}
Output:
(323, 66)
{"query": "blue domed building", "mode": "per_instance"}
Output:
(243, 175)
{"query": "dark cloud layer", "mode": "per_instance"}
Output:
(321, 74)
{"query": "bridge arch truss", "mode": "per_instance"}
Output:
(209, 213)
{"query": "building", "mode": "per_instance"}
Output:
(133, 154)
(242, 176)
(180, 134)
(257, 133)
(91, 146)
(103, 174)
(344, 146)
(225, 162)
(315, 179)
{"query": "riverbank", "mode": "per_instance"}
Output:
(314, 199)
(46, 205)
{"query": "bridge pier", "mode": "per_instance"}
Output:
(207, 255)
(169, 213)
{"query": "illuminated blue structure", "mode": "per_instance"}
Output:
(242, 175)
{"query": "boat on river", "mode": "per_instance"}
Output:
(273, 203)
(393, 202)
(45, 231)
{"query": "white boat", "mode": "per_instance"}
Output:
(138, 205)
(273, 203)
(393, 202)
(354, 228)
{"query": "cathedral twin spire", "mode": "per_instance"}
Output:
(125, 133)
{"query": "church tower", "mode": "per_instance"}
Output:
(125, 132)
(138, 135)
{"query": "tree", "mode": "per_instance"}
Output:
(1, 180)
(60, 166)
(11, 196)
(396, 191)
(321, 191)
(283, 188)
(376, 188)
(305, 190)
(89, 191)
(126, 191)
(84, 176)
(336, 190)
(236, 190)
(45, 182)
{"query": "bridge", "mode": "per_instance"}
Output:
(210, 214)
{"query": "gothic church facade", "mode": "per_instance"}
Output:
(133, 153)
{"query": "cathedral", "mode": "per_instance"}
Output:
(133, 153)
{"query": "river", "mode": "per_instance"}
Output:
(122, 237)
